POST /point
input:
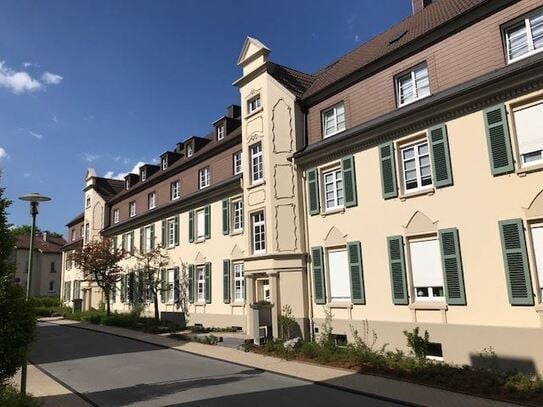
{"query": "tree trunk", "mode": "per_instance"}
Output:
(157, 315)
(108, 305)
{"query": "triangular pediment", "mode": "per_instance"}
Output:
(251, 49)
(200, 258)
(535, 210)
(420, 224)
(335, 237)
(236, 252)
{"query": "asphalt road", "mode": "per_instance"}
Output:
(111, 371)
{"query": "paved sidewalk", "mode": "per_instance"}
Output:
(410, 393)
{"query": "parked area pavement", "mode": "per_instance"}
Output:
(110, 366)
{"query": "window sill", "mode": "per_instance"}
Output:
(339, 304)
(199, 304)
(198, 241)
(428, 305)
(256, 184)
(523, 171)
(237, 304)
(332, 134)
(428, 191)
(539, 308)
(253, 113)
(333, 212)
(400, 105)
(236, 232)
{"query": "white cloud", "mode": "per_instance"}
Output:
(17, 82)
(55, 119)
(30, 64)
(357, 38)
(121, 175)
(27, 175)
(3, 154)
(51, 78)
(36, 135)
(90, 157)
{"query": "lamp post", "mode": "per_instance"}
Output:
(34, 199)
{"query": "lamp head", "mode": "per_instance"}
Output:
(34, 197)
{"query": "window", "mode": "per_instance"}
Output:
(257, 172)
(73, 234)
(537, 238)
(81, 231)
(87, 232)
(333, 188)
(148, 236)
(253, 104)
(171, 232)
(238, 168)
(151, 200)
(416, 166)
(77, 289)
(259, 238)
(164, 163)
(170, 283)
(426, 270)
(88, 203)
(239, 282)
(190, 150)
(128, 242)
(116, 215)
(201, 284)
(51, 286)
(237, 216)
(220, 132)
(204, 177)
(413, 85)
(525, 38)
(127, 184)
(143, 175)
(67, 289)
(200, 225)
(338, 266)
(132, 209)
(529, 130)
(174, 190)
(333, 120)
(53, 267)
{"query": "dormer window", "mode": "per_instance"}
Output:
(253, 104)
(143, 175)
(525, 37)
(190, 150)
(220, 132)
(164, 163)
(127, 184)
(88, 203)
(413, 85)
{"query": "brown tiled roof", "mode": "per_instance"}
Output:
(407, 31)
(107, 187)
(51, 245)
(295, 81)
(77, 219)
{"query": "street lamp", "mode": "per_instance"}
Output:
(34, 199)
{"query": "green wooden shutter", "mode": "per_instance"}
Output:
(191, 282)
(453, 274)
(176, 296)
(123, 241)
(225, 217)
(152, 236)
(499, 143)
(131, 287)
(141, 287)
(142, 240)
(176, 230)
(441, 160)
(164, 234)
(123, 288)
(226, 281)
(356, 271)
(207, 218)
(317, 264)
(207, 275)
(397, 270)
(388, 170)
(191, 226)
(349, 181)
(313, 191)
(162, 285)
(132, 243)
(114, 238)
(517, 272)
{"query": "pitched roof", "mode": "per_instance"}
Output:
(50, 245)
(77, 219)
(107, 187)
(295, 81)
(407, 31)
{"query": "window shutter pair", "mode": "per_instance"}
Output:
(498, 140)
(515, 258)
(191, 282)
(191, 226)
(163, 285)
(354, 254)
(349, 186)
(225, 216)
(207, 218)
(176, 291)
(207, 276)
(226, 281)
(453, 275)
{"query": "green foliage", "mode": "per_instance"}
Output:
(326, 338)
(418, 344)
(25, 230)
(45, 301)
(288, 327)
(42, 312)
(10, 396)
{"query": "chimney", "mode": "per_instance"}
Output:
(44, 236)
(419, 5)
(233, 111)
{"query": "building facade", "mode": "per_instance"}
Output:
(400, 186)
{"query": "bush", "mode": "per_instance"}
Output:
(418, 344)
(92, 316)
(51, 311)
(45, 301)
(9, 396)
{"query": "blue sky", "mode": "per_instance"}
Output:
(107, 84)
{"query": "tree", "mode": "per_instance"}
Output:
(17, 321)
(25, 230)
(151, 263)
(99, 261)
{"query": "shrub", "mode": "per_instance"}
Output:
(42, 311)
(288, 327)
(418, 344)
(9, 396)
(45, 301)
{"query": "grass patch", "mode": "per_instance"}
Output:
(10, 396)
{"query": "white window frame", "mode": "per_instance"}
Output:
(237, 215)
(170, 281)
(346, 272)
(415, 146)
(151, 200)
(411, 73)
(258, 232)
(338, 126)
(204, 176)
(238, 163)
(128, 242)
(190, 151)
(337, 191)
(132, 208)
(221, 130)
(538, 257)
(170, 232)
(200, 284)
(254, 104)
(164, 163)
(522, 157)
(430, 289)
(238, 278)
(257, 163)
(148, 238)
(526, 22)
(143, 175)
(200, 221)
(88, 202)
(175, 189)
(116, 214)
(73, 234)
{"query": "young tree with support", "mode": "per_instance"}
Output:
(99, 261)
